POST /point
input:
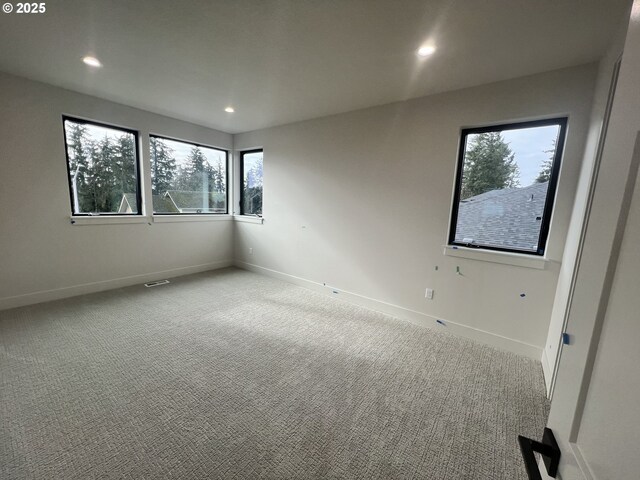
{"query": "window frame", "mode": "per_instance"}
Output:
(551, 190)
(242, 154)
(195, 144)
(138, 166)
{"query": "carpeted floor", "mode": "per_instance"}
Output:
(231, 374)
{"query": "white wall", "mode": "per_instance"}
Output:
(361, 201)
(595, 411)
(42, 256)
(609, 434)
(553, 345)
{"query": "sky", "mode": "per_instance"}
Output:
(96, 133)
(180, 150)
(528, 145)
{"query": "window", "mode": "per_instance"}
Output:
(102, 163)
(251, 177)
(187, 178)
(505, 186)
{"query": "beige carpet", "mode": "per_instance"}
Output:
(234, 375)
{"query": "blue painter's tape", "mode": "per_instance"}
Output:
(440, 322)
(523, 295)
(566, 339)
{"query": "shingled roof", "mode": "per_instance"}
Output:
(506, 218)
(163, 204)
(128, 204)
(190, 202)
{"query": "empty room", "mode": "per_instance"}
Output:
(309, 239)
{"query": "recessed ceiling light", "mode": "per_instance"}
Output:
(91, 61)
(426, 50)
(229, 110)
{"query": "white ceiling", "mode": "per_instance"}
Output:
(280, 61)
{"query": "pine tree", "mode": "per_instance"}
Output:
(254, 176)
(102, 170)
(182, 179)
(252, 190)
(545, 172)
(218, 178)
(89, 194)
(79, 161)
(124, 168)
(196, 171)
(163, 166)
(489, 164)
(545, 168)
(101, 181)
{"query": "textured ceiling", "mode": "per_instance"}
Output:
(282, 61)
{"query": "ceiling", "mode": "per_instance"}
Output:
(280, 61)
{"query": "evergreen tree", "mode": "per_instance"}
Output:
(196, 171)
(545, 168)
(489, 164)
(545, 172)
(163, 166)
(124, 168)
(79, 161)
(254, 176)
(182, 180)
(101, 171)
(252, 190)
(101, 180)
(218, 178)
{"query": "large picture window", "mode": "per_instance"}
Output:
(187, 178)
(102, 163)
(505, 186)
(251, 182)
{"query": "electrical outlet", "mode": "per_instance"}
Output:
(428, 294)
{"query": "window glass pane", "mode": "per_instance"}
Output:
(502, 196)
(187, 178)
(102, 168)
(252, 183)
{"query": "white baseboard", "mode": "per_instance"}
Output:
(75, 290)
(488, 338)
(546, 371)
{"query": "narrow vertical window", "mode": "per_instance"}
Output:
(251, 182)
(505, 186)
(187, 178)
(103, 168)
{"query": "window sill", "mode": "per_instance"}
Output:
(248, 219)
(506, 258)
(108, 220)
(217, 217)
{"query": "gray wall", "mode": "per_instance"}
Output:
(361, 202)
(42, 256)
